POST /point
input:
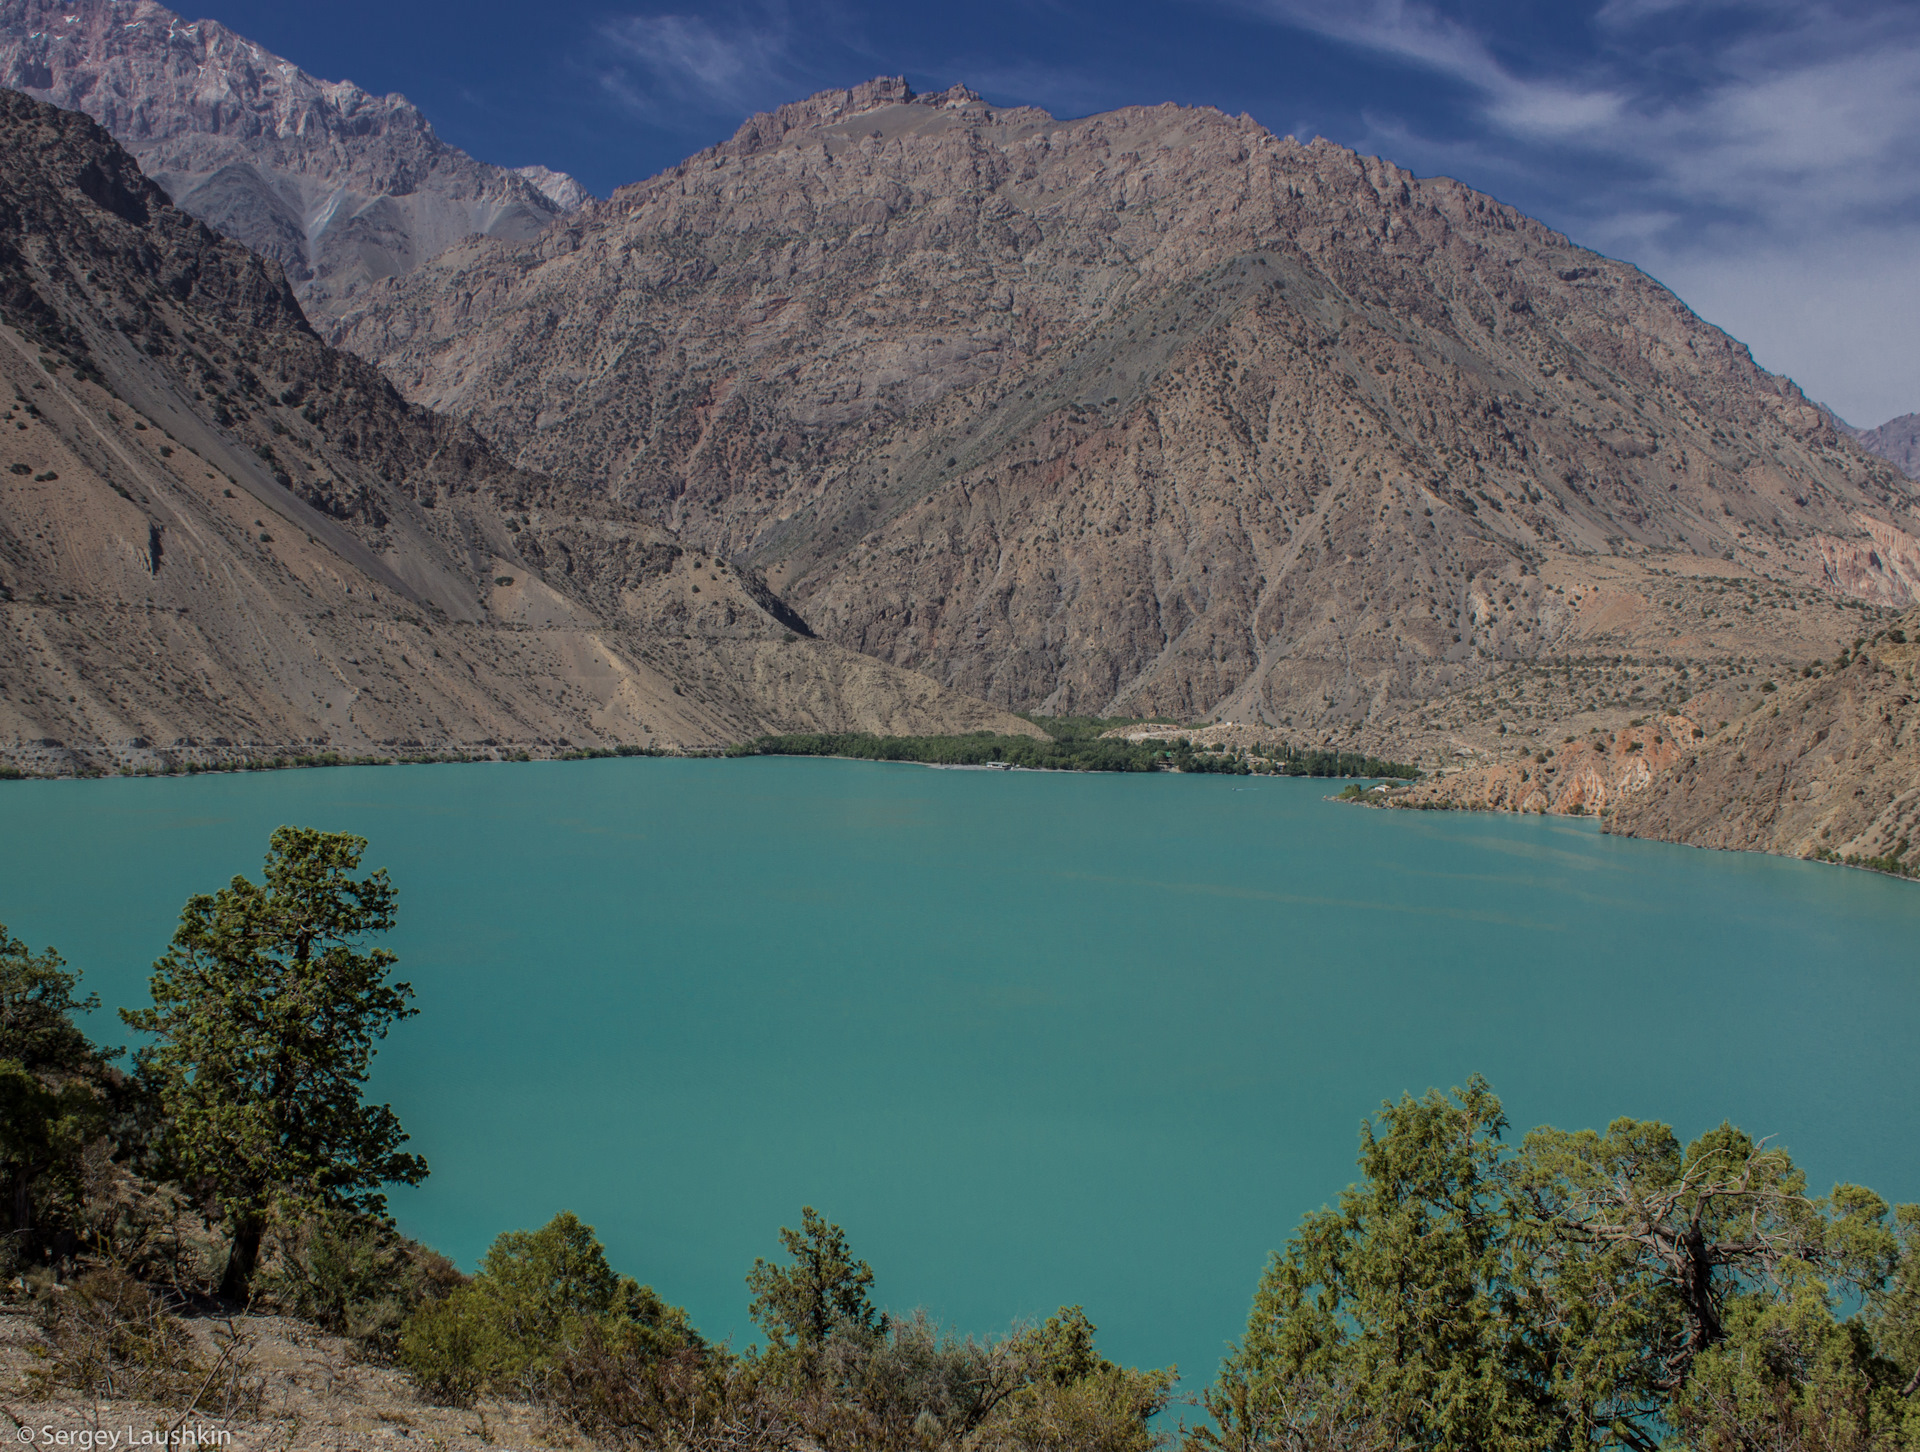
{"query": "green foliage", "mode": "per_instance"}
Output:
(910, 1387)
(824, 1291)
(266, 1013)
(52, 1100)
(1290, 761)
(913, 1386)
(44, 1130)
(1788, 1374)
(1075, 1400)
(1399, 1292)
(37, 1006)
(981, 749)
(1894, 862)
(538, 1296)
(354, 1277)
(1585, 1290)
(1076, 746)
(852, 1377)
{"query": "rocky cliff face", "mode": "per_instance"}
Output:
(1897, 441)
(221, 537)
(338, 186)
(1824, 765)
(1579, 777)
(1151, 412)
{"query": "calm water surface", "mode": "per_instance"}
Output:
(1032, 1038)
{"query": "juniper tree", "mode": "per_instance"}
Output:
(49, 1104)
(1582, 1290)
(823, 1292)
(267, 1009)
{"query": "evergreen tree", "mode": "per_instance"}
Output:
(1581, 1291)
(50, 1101)
(267, 1010)
(540, 1295)
(823, 1292)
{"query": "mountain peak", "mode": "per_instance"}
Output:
(556, 186)
(340, 186)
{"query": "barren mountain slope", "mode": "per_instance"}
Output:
(1897, 441)
(337, 186)
(219, 536)
(1148, 412)
(1824, 765)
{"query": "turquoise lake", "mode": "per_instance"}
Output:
(1033, 1039)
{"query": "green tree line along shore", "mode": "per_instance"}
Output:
(1469, 1292)
(1078, 743)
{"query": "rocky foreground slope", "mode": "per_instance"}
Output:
(338, 186)
(220, 537)
(1152, 412)
(301, 1390)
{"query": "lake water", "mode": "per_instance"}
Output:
(1033, 1039)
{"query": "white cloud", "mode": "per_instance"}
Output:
(664, 62)
(1404, 29)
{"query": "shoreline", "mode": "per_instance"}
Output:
(1600, 819)
(323, 761)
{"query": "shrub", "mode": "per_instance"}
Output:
(914, 1386)
(539, 1295)
(1077, 1401)
(111, 1338)
(692, 1400)
(355, 1278)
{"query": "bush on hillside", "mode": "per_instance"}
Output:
(355, 1277)
(538, 1296)
(111, 1337)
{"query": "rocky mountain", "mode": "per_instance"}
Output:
(220, 537)
(1822, 762)
(338, 186)
(1580, 777)
(1825, 763)
(556, 186)
(1152, 412)
(1897, 441)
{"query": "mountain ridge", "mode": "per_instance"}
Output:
(337, 185)
(222, 540)
(1897, 441)
(1146, 412)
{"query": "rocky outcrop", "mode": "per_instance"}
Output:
(1151, 412)
(220, 537)
(1881, 563)
(338, 186)
(1826, 764)
(556, 186)
(1577, 778)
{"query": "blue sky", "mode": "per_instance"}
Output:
(1762, 157)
